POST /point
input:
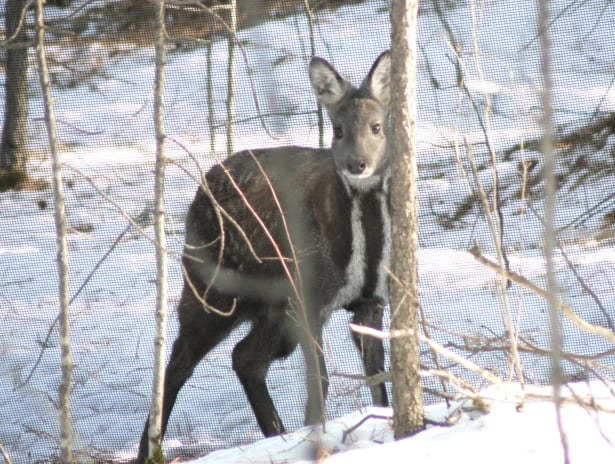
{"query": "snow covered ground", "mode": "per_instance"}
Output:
(504, 429)
(113, 322)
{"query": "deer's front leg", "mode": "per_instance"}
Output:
(368, 312)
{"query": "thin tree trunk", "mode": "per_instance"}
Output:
(549, 234)
(14, 135)
(155, 454)
(319, 113)
(407, 389)
(210, 101)
(66, 432)
(230, 77)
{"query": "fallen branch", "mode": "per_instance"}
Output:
(361, 422)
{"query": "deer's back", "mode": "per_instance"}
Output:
(286, 201)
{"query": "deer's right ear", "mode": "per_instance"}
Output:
(330, 88)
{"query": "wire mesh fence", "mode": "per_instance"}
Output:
(479, 163)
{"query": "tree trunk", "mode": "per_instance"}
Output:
(14, 135)
(230, 77)
(66, 431)
(155, 454)
(549, 233)
(407, 389)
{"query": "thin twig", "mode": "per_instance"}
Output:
(494, 216)
(230, 77)
(447, 376)
(296, 283)
(229, 29)
(310, 17)
(434, 353)
(592, 407)
(371, 332)
(361, 422)
(550, 23)
(205, 186)
(72, 126)
(565, 309)
(81, 287)
(22, 19)
(298, 290)
(120, 209)
(578, 276)
(5, 455)
(73, 13)
(495, 228)
(283, 259)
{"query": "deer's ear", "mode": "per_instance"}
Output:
(377, 82)
(330, 88)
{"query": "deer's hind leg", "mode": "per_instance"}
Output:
(200, 331)
(272, 337)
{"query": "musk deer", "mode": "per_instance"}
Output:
(281, 237)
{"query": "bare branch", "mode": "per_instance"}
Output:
(45, 342)
(230, 77)
(5, 455)
(283, 259)
(495, 226)
(213, 11)
(22, 19)
(566, 310)
(107, 197)
(577, 275)
(72, 126)
(73, 13)
(202, 299)
(469, 365)
(436, 358)
(205, 186)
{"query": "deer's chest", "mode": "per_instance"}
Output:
(369, 251)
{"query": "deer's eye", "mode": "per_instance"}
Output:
(376, 128)
(338, 132)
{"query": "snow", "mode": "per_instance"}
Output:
(506, 429)
(112, 319)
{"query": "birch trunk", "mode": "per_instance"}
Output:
(66, 432)
(155, 454)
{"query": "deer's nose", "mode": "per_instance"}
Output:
(356, 167)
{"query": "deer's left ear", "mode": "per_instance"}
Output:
(377, 82)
